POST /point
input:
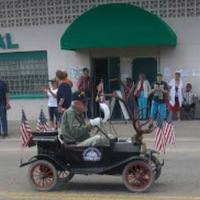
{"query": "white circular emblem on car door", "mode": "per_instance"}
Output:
(92, 154)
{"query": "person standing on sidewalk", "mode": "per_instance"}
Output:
(4, 106)
(176, 94)
(84, 84)
(66, 79)
(159, 91)
(64, 93)
(51, 94)
(129, 85)
(142, 92)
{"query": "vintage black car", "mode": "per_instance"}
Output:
(56, 160)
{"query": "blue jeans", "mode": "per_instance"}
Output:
(142, 103)
(3, 120)
(158, 107)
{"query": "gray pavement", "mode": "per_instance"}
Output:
(179, 179)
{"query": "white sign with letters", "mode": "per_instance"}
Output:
(196, 72)
(167, 72)
(184, 72)
(75, 73)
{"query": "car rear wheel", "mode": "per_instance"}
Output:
(138, 176)
(42, 175)
(65, 176)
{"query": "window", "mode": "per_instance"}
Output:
(25, 73)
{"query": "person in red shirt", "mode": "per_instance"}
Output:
(84, 84)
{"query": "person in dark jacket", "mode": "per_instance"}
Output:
(64, 94)
(4, 106)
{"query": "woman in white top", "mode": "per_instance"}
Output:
(176, 94)
(142, 92)
(51, 93)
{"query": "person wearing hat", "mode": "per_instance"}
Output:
(51, 94)
(74, 128)
(159, 91)
(176, 94)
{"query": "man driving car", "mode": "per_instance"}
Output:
(74, 128)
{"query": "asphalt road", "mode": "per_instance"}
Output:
(180, 178)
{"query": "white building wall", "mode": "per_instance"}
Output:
(42, 38)
(35, 38)
(186, 54)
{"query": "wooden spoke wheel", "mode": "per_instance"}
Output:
(138, 176)
(65, 176)
(42, 175)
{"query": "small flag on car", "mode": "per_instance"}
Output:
(160, 139)
(169, 131)
(26, 133)
(42, 124)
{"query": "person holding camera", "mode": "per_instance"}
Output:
(51, 94)
(159, 92)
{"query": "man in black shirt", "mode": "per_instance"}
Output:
(159, 92)
(4, 106)
(64, 94)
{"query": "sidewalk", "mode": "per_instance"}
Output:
(185, 130)
(187, 137)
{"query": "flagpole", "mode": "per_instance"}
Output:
(25, 135)
(21, 148)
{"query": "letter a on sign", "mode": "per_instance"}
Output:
(10, 45)
(2, 44)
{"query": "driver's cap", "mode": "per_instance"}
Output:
(79, 96)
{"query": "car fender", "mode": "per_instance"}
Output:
(124, 162)
(150, 152)
(51, 159)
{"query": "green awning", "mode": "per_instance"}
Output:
(117, 25)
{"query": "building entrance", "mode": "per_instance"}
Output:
(147, 66)
(106, 69)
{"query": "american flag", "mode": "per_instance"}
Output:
(26, 133)
(159, 140)
(169, 131)
(42, 124)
